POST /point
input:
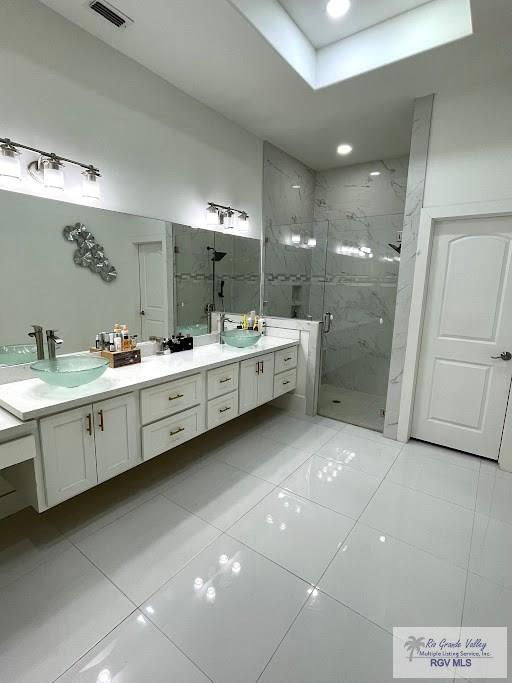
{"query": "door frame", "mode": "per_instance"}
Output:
(428, 220)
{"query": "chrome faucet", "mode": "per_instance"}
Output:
(53, 342)
(222, 325)
(37, 334)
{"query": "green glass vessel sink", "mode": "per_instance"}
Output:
(70, 371)
(240, 338)
(17, 354)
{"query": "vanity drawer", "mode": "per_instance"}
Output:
(222, 380)
(169, 433)
(286, 359)
(170, 398)
(222, 409)
(19, 450)
(285, 382)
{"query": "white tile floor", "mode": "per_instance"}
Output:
(276, 549)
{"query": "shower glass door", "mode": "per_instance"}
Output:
(345, 268)
(359, 291)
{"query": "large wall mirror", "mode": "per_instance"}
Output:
(163, 280)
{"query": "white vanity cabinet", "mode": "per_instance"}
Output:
(88, 445)
(69, 454)
(256, 382)
(116, 435)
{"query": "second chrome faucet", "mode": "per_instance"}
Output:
(52, 340)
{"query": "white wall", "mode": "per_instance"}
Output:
(470, 154)
(162, 153)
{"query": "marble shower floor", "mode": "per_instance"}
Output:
(354, 407)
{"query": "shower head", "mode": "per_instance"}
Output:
(216, 255)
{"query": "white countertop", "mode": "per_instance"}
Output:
(32, 398)
(11, 427)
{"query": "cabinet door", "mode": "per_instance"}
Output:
(248, 387)
(265, 378)
(67, 442)
(116, 433)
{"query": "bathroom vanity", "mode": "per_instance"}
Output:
(83, 436)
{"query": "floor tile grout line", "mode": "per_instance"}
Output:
(63, 673)
(469, 553)
(301, 609)
(416, 490)
(39, 564)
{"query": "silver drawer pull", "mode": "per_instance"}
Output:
(226, 379)
(173, 398)
(177, 431)
(287, 381)
(223, 410)
(287, 359)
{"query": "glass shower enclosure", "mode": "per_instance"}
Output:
(343, 271)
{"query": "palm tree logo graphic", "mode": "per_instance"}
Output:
(414, 645)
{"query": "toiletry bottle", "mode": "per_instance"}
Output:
(126, 346)
(98, 342)
(261, 326)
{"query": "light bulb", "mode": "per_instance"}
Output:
(344, 149)
(212, 215)
(337, 8)
(312, 242)
(243, 221)
(91, 183)
(296, 239)
(53, 173)
(10, 166)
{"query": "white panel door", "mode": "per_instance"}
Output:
(152, 290)
(463, 384)
(67, 444)
(117, 435)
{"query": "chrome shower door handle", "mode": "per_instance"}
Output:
(328, 318)
(506, 355)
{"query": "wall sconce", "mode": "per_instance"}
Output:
(48, 169)
(226, 217)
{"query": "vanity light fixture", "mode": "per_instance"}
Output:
(344, 149)
(295, 239)
(337, 8)
(91, 183)
(295, 187)
(227, 217)
(312, 242)
(10, 166)
(48, 169)
(375, 173)
(53, 172)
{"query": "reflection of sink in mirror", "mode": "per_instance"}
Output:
(240, 338)
(193, 330)
(70, 371)
(17, 354)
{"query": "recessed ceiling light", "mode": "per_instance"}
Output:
(375, 173)
(337, 8)
(344, 149)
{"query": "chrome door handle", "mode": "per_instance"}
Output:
(506, 355)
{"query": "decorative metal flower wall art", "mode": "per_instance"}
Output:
(89, 254)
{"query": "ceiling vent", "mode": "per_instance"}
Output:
(110, 13)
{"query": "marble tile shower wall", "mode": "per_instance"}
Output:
(362, 211)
